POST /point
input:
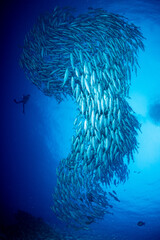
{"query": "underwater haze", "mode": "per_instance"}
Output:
(80, 120)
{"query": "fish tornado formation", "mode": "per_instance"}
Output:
(89, 57)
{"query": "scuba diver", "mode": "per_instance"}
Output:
(24, 100)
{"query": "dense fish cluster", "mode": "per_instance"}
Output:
(89, 57)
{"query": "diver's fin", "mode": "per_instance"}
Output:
(23, 109)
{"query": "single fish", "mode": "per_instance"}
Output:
(140, 223)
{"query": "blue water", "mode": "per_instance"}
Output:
(33, 144)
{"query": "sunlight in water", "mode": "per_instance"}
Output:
(149, 151)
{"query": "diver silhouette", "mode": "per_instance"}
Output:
(24, 100)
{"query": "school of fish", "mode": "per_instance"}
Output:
(89, 57)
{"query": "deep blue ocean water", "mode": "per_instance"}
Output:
(32, 144)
